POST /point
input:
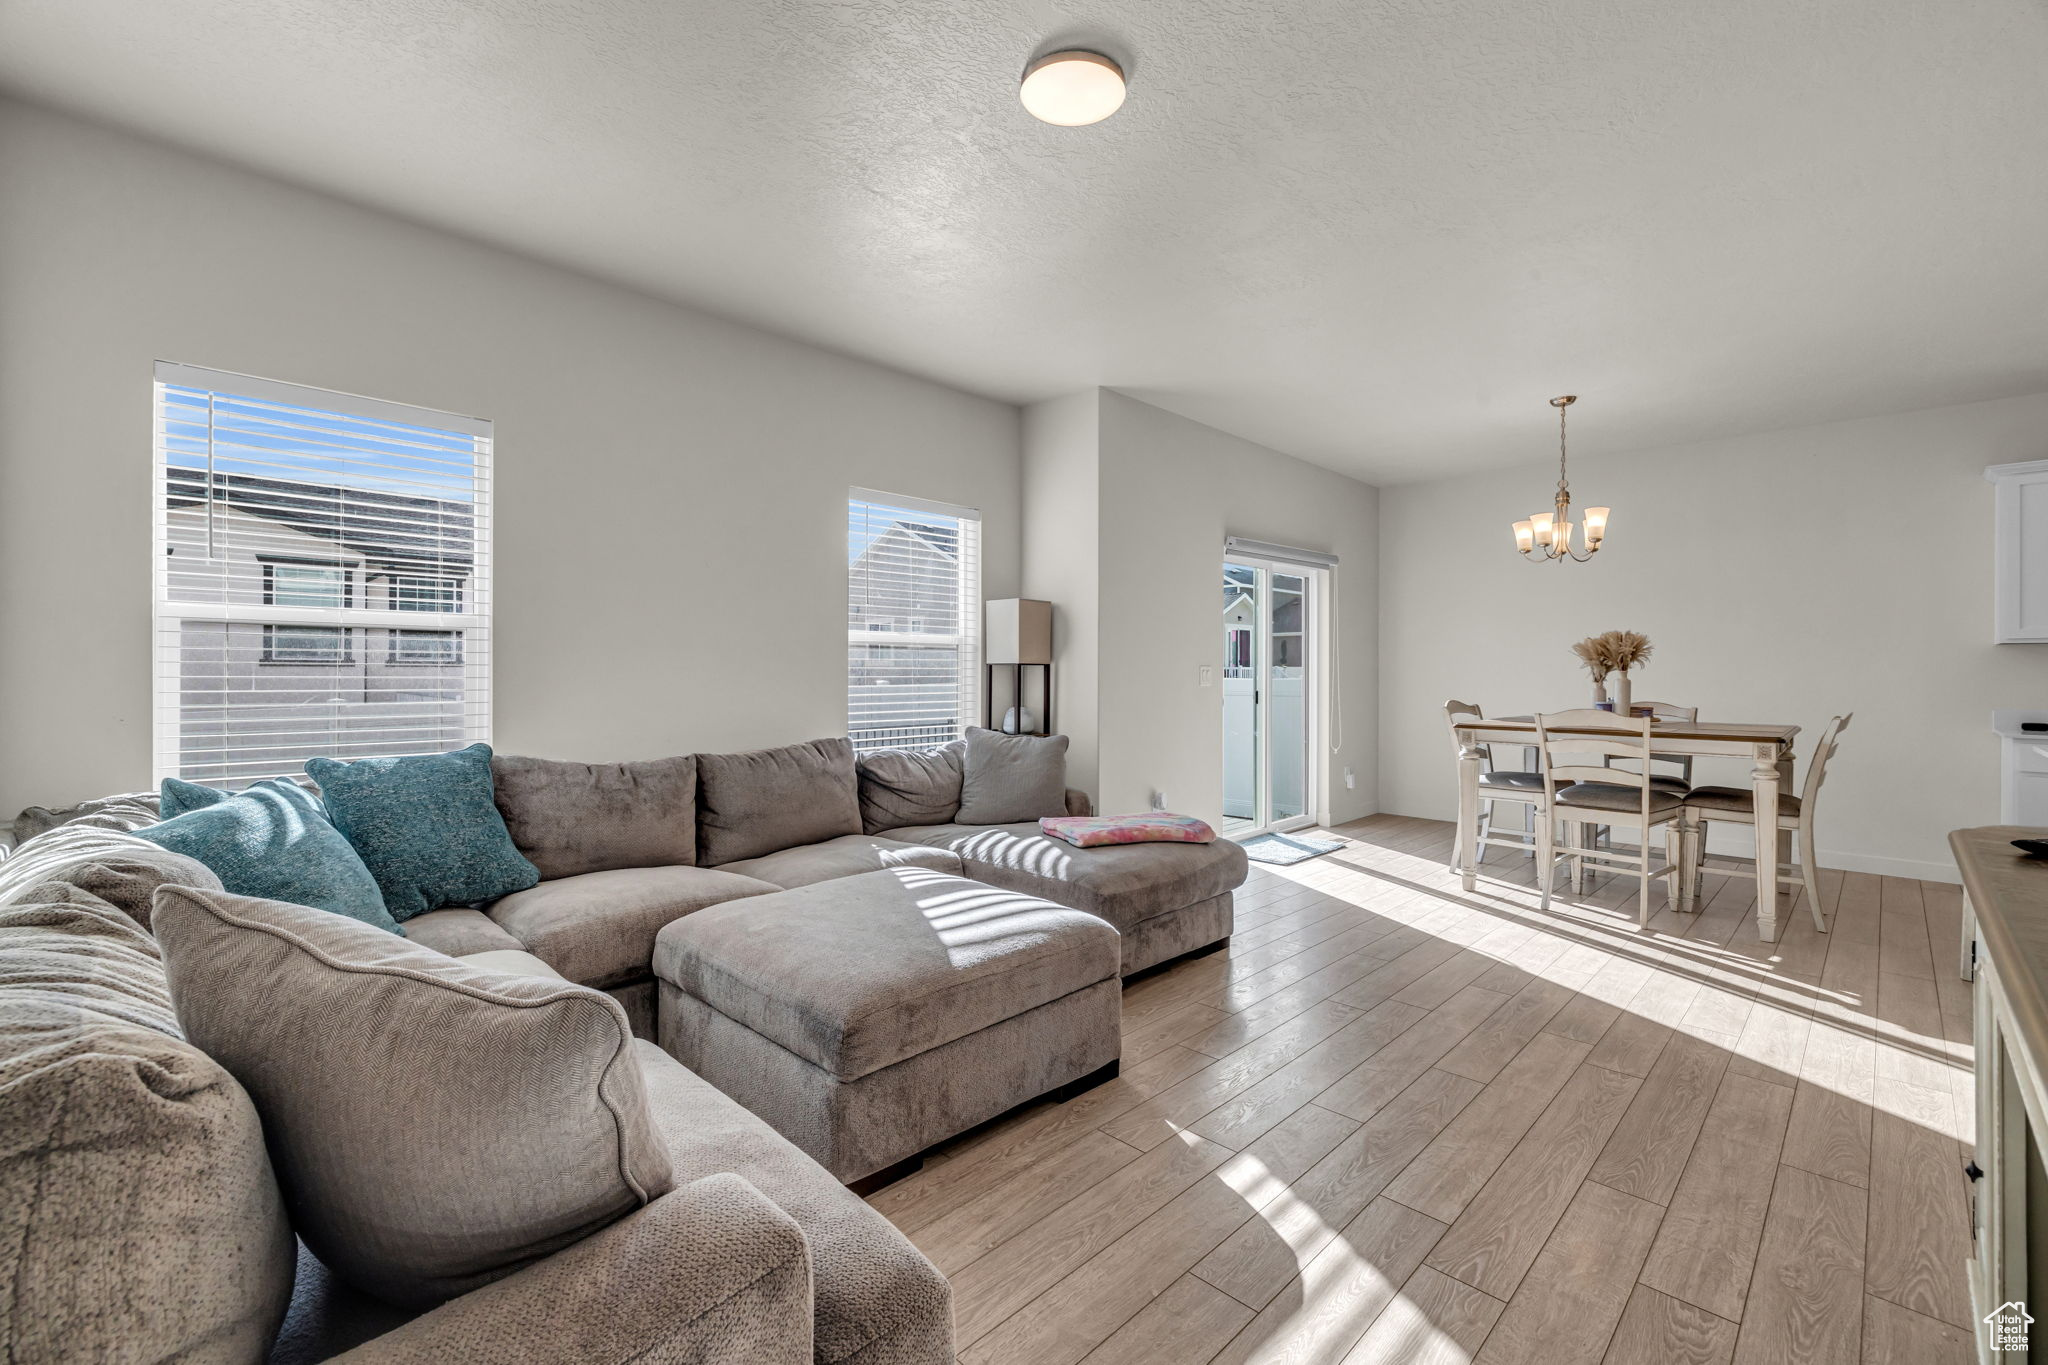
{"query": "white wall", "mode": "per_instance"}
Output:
(1784, 577)
(670, 486)
(1062, 554)
(1172, 489)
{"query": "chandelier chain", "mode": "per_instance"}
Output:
(1561, 487)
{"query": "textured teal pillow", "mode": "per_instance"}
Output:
(426, 826)
(178, 797)
(272, 841)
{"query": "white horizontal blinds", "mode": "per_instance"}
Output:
(912, 620)
(322, 577)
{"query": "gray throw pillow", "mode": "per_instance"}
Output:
(771, 799)
(572, 818)
(1008, 779)
(435, 1126)
(900, 787)
(137, 1205)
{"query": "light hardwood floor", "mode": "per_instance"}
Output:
(1400, 1123)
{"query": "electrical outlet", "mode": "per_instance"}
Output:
(1350, 780)
(1158, 800)
(1208, 676)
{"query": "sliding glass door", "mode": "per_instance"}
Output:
(1268, 645)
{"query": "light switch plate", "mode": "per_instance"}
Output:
(1208, 675)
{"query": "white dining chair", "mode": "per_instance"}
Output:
(1679, 779)
(1579, 794)
(1679, 774)
(1522, 788)
(1737, 805)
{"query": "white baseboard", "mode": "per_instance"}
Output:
(1918, 868)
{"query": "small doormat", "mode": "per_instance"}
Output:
(1282, 849)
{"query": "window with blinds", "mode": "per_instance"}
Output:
(322, 577)
(912, 618)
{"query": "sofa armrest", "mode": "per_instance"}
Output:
(1078, 803)
(712, 1271)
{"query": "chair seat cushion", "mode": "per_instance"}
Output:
(847, 856)
(598, 929)
(1740, 800)
(875, 1298)
(1528, 782)
(858, 973)
(1125, 884)
(1617, 798)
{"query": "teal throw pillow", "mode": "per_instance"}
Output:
(426, 826)
(176, 796)
(272, 841)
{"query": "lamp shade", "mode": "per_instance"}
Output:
(1019, 630)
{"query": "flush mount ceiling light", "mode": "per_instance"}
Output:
(1073, 88)
(1548, 535)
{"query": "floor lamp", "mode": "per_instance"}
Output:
(1019, 634)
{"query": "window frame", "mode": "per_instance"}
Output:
(965, 643)
(471, 622)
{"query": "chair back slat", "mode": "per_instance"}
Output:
(1817, 766)
(1671, 711)
(1567, 773)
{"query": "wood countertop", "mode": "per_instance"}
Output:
(2009, 897)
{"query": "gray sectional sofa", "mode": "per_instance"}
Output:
(759, 1252)
(683, 834)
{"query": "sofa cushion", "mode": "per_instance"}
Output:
(435, 1126)
(272, 841)
(510, 962)
(874, 1295)
(858, 973)
(755, 803)
(425, 826)
(572, 818)
(1125, 884)
(847, 856)
(459, 931)
(127, 868)
(910, 786)
(1006, 778)
(598, 929)
(137, 1206)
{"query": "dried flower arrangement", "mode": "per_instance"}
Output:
(1612, 651)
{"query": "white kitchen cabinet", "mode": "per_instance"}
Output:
(2021, 553)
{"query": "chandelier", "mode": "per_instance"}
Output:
(1548, 535)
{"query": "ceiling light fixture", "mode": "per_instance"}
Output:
(1548, 535)
(1073, 88)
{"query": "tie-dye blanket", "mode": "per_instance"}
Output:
(1090, 831)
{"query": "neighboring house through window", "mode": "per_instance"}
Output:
(323, 577)
(912, 623)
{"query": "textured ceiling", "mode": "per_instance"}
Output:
(1377, 234)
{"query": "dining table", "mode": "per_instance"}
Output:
(1768, 747)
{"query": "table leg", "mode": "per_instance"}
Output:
(1764, 779)
(1468, 815)
(1969, 964)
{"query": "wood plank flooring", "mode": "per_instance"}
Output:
(1403, 1124)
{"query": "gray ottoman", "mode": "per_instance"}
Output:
(870, 1017)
